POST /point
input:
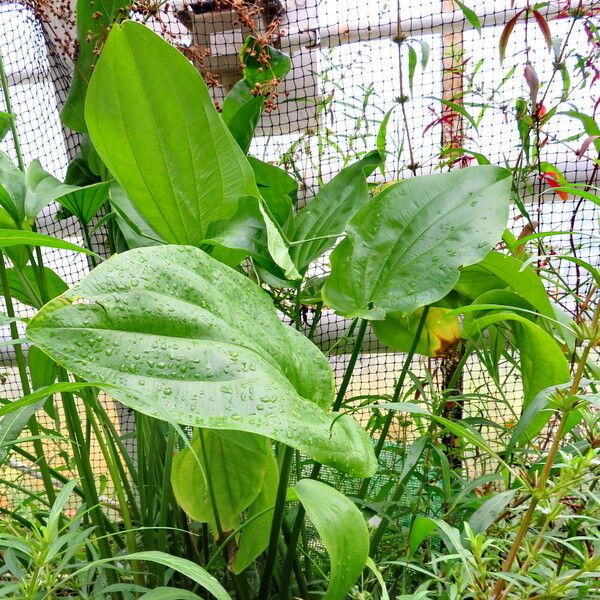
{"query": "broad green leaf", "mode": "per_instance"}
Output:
(440, 333)
(93, 23)
(13, 237)
(278, 189)
(151, 119)
(326, 216)
(541, 360)
(251, 232)
(405, 246)
(188, 340)
(343, 530)
(25, 288)
(236, 473)
(6, 121)
(254, 537)
(241, 113)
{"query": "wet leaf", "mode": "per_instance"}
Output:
(343, 530)
(188, 340)
(404, 247)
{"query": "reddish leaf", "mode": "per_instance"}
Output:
(552, 179)
(510, 25)
(586, 145)
(543, 25)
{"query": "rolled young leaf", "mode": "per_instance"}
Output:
(343, 530)
(188, 340)
(405, 246)
(254, 537)
(152, 121)
(236, 465)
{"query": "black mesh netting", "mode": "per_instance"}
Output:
(348, 71)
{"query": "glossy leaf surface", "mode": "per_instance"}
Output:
(405, 246)
(343, 530)
(151, 119)
(188, 340)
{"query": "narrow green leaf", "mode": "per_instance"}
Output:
(343, 530)
(330, 211)
(470, 15)
(486, 514)
(44, 392)
(461, 110)
(181, 565)
(422, 528)
(412, 65)
(167, 593)
(498, 270)
(6, 121)
(17, 237)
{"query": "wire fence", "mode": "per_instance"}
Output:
(352, 63)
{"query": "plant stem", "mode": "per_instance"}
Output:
(284, 473)
(543, 480)
(299, 520)
(26, 388)
(88, 242)
(397, 391)
(9, 109)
